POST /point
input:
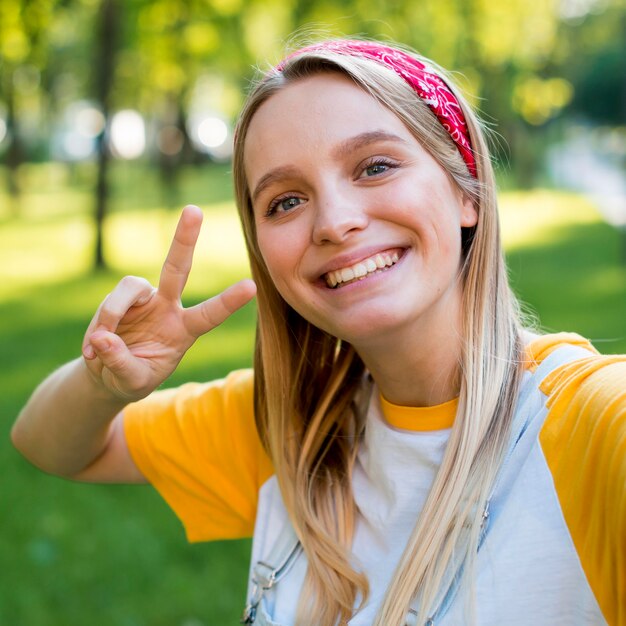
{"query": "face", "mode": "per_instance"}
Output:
(358, 225)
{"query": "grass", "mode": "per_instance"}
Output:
(566, 264)
(110, 555)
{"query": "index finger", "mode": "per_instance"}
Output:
(179, 259)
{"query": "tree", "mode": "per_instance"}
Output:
(104, 62)
(23, 28)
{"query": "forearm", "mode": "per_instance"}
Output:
(65, 424)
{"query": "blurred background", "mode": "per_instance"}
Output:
(114, 114)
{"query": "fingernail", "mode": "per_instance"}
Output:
(88, 352)
(106, 345)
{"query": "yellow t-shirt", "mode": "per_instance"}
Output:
(198, 445)
(199, 448)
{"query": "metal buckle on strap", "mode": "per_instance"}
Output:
(260, 584)
(249, 614)
(264, 578)
(411, 619)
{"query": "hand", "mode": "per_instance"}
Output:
(139, 334)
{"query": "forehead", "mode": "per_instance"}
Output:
(309, 117)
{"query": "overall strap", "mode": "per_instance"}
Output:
(528, 421)
(523, 435)
(266, 573)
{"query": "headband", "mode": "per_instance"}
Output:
(424, 81)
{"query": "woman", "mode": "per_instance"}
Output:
(406, 465)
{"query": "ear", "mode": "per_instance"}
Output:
(469, 214)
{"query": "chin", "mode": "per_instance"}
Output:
(368, 329)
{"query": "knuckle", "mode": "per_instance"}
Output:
(126, 281)
(131, 282)
(215, 312)
(209, 317)
(171, 267)
(106, 310)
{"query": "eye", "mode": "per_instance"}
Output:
(376, 167)
(284, 204)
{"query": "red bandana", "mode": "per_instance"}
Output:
(428, 85)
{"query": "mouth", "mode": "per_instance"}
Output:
(375, 264)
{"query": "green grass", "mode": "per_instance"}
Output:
(109, 555)
(567, 265)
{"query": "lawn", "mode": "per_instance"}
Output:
(107, 555)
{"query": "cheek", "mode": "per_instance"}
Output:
(280, 254)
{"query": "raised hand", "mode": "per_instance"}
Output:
(139, 334)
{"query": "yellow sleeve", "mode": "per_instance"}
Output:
(198, 445)
(543, 345)
(584, 442)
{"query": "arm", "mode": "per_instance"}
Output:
(70, 422)
(71, 426)
(584, 443)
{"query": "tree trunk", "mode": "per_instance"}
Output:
(104, 68)
(15, 152)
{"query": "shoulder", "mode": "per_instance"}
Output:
(583, 440)
(194, 399)
(198, 445)
(585, 398)
(583, 392)
(195, 417)
(579, 374)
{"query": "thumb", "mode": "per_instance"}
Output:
(112, 353)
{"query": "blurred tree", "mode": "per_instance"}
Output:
(109, 21)
(597, 63)
(23, 28)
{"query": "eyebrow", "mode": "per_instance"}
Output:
(343, 149)
(277, 174)
(364, 139)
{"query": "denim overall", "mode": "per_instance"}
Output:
(270, 571)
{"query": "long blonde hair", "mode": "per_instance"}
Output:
(307, 382)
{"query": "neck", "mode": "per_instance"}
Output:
(419, 366)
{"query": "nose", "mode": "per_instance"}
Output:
(337, 217)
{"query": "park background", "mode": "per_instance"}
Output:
(114, 114)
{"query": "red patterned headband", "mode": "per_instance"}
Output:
(428, 85)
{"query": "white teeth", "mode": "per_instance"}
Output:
(347, 274)
(362, 268)
(370, 265)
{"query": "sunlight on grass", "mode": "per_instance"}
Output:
(36, 252)
(138, 243)
(532, 218)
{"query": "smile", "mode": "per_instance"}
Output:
(374, 264)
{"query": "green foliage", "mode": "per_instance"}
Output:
(524, 64)
(166, 45)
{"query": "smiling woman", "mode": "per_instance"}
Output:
(405, 452)
(359, 189)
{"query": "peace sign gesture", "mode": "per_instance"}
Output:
(139, 334)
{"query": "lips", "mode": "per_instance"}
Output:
(376, 263)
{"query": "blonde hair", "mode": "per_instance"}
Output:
(307, 382)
